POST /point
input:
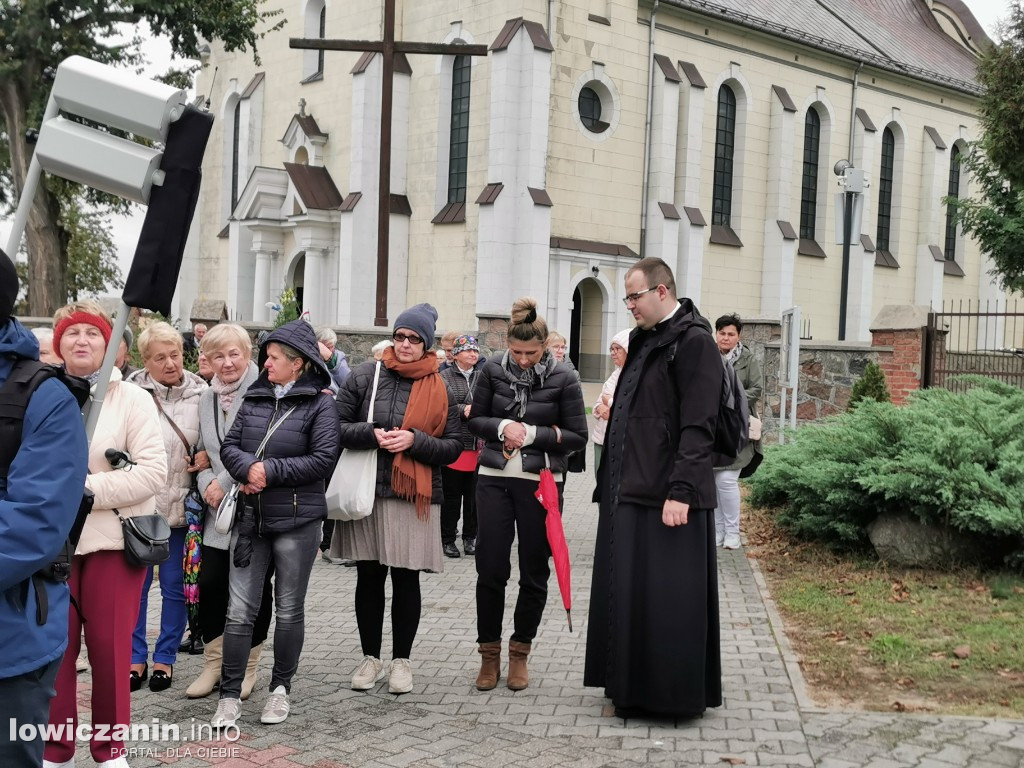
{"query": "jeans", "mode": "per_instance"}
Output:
(27, 701)
(292, 554)
(727, 513)
(173, 614)
(213, 597)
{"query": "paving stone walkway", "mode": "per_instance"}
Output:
(766, 719)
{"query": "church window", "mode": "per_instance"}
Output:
(725, 145)
(458, 142)
(314, 26)
(809, 184)
(236, 130)
(954, 192)
(590, 110)
(885, 182)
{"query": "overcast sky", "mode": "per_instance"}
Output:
(126, 230)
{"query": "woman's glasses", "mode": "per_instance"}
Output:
(411, 338)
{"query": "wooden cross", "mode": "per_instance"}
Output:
(388, 47)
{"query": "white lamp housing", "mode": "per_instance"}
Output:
(108, 163)
(116, 98)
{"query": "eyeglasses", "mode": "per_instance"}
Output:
(412, 339)
(634, 297)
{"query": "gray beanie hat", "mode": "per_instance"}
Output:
(8, 287)
(423, 319)
(128, 336)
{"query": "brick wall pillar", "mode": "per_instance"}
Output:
(897, 334)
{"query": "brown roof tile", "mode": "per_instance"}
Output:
(865, 120)
(250, 89)
(538, 36)
(934, 136)
(314, 185)
(784, 98)
(592, 246)
(670, 72)
(788, 233)
(349, 203)
(309, 126)
(363, 63)
(669, 211)
(490, 193)
(692, 74)
(540, 196)
(694, 215)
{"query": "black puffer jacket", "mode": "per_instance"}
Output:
(558, 403)
(303, 450)
(388, 411)
(462, 390)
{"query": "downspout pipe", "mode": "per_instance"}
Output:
(647, 129)
(853, 108)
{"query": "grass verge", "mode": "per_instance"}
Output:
(884, 638)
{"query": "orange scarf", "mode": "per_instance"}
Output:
(427, 411)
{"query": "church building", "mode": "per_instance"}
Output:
(705, 132)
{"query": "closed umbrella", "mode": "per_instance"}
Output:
(547, 495)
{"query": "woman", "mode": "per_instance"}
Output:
(458, 480)
(415, 429)
(558, 346)
(176, 394)
(104, 587)
(528, 407)
(603, 407)
(46, 353)
(229, 351)
(727, 514)
(284, 507)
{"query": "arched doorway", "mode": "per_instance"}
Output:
(296, 279)
(586, 343)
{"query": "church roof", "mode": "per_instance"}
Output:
(314, 185)
(895, 35)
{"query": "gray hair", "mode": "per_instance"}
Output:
(327, 335)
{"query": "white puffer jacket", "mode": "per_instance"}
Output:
(128, 422)
(180, 404)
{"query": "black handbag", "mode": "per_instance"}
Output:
(146, 539)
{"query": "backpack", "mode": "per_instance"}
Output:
(26, 376)
(733, 431)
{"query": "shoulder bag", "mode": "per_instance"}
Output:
(146, 539)
(351, 490)
(228, 507)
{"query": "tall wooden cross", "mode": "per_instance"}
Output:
(388, 47)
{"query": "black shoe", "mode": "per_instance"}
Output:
(450, 550)
(160, 681)
(197, 647)
(469, 546)
(186, 644)
(138, 679)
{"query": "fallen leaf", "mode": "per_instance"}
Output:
(962, 651)
(905, 682)
(954, 665)
(733, 760)
(899, 706)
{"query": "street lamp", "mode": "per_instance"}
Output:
(854, 182)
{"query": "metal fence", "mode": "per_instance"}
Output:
(965, 337)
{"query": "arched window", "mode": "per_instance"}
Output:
(458, 142)
(725, 146)
(314, 25)
(809, 184)
(323, 34)
(236, 129)
(954, 193)
(885, 182)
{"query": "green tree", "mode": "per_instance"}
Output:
(35, 36)
(995, 216)
(289, 308)
(870, 386)
(92, 258)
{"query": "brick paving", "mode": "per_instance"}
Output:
(767, 718)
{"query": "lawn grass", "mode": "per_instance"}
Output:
(886, 638)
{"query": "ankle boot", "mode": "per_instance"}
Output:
(250, 671)
(490, 666)
(518, 677)
(213, 655)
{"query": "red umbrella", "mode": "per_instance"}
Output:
(547, 495)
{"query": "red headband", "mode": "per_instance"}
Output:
(74, 319)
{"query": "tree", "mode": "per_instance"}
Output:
(995, 217)
(92, 258)
(870, 386)
(35, 36)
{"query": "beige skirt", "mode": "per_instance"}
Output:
(392, 535)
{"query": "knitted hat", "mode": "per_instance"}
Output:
(8, 287)
(622, 339)
(465, 343)
(422, 319)
(75, 319)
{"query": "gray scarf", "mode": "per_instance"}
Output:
(522, 381)
(733, 354)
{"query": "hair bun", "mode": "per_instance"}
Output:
(531, 316)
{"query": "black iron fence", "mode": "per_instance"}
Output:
(967, 337)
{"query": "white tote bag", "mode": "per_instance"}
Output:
(351, 490)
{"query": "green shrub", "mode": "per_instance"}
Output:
(870, 386)
(950, 459)
(289, 308)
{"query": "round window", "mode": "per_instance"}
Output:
(590, 110)
(596, 109)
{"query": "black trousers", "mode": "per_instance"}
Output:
(26, 699)
(459, 495)
(507, 507)
(405, 607)
(213, 597)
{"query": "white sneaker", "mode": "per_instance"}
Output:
(400, 676)
(117, 762)
(719, 537)
(732, 541)
(369, 672)
(276, 708)
(228, 711)
(66, 764)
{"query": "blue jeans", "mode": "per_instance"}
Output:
(293, 554)
(26, 700)
(173, 614)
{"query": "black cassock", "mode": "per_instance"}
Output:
(653, 627)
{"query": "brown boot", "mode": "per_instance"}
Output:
(250, 671)
(490, 666)
(213, 654)
(518, 677)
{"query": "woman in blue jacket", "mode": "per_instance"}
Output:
(284, 506)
